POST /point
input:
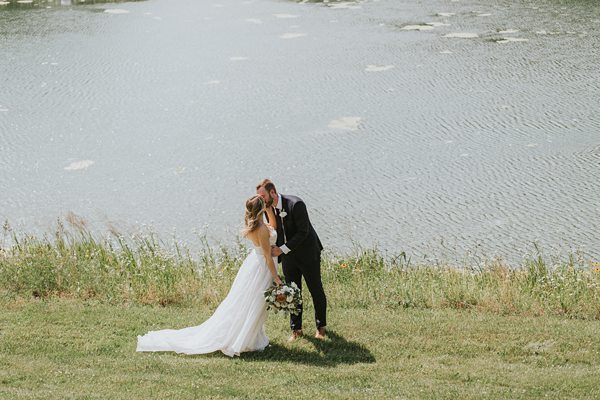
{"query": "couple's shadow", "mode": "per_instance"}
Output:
(330, 352)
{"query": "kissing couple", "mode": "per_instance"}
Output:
(280, 231)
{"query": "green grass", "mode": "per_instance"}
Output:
(144, 270)
(73, 304)
(61, 349)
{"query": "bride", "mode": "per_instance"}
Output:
(237, 325)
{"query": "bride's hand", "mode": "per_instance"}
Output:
(278, 281)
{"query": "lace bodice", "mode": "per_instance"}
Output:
(272, 240)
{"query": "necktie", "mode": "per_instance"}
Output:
(280, 223)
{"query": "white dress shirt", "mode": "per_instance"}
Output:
(279, 207)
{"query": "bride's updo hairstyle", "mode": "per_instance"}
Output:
(255, 208)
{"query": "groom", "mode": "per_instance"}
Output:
(299, 250)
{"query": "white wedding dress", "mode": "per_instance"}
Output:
(236, 326)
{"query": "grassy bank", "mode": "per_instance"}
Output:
(140, 270)
(72, 306)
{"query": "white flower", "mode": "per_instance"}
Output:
(282, 214)
(290, 297)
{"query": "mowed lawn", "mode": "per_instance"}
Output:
(75, 349)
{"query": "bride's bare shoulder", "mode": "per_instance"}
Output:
(259, 232)
(262, 230)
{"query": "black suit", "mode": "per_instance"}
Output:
(304, 258)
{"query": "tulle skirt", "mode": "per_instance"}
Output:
(236, 326)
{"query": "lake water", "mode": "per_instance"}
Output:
(445, 129)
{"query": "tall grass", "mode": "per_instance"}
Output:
(142, 269)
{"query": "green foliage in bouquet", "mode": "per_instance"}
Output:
(285, 298)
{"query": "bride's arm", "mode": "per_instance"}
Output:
(271, 216)
(263, 240)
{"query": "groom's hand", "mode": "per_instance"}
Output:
(276, 251)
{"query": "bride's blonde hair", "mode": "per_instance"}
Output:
(255, 208)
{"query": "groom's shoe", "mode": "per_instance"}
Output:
(320, 335)
(295, 335)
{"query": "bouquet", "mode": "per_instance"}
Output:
(285, 298)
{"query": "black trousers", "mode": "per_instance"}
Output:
(310, 269)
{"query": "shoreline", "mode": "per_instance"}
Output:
(144, 271)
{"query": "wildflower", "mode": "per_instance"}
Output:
(596, 269)
(344, 265)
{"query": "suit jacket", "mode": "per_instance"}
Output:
(296, 232)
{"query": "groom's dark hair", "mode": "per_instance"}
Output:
(267, 184)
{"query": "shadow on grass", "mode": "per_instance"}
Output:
(331, 352)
